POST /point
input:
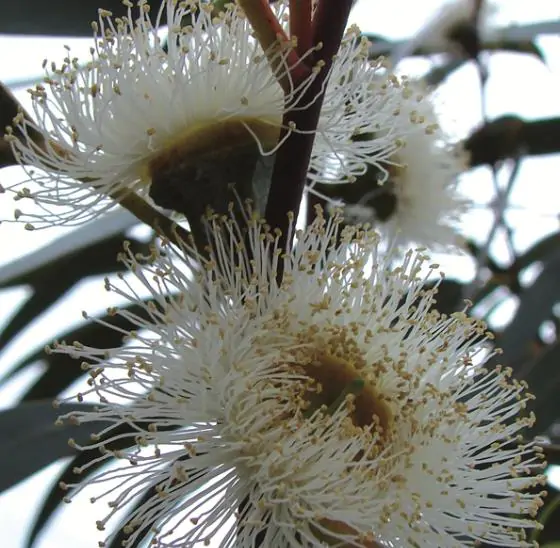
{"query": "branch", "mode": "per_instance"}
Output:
(503, 38)
(163, 225)
(508, 136)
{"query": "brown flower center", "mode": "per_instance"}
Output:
(334, 377)
(199, 169)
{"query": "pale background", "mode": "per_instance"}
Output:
(518, 84)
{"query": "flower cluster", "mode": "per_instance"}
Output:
(281, 387)
(167, 118)
(333, 408)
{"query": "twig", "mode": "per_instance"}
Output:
(162, 225)
(275, 44)
(292, 159)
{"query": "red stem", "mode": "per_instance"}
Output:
(292, 159)
(300, 24)
(330, 19)
(271, 36)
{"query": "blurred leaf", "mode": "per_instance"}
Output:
(52, 280)
(64, 17)
(56, 17)
(55, 496)
(463, 35)
(31, 440)
(552, 453)
(120, 538)
(440, 73)
(9, 108)
(551, 507)
(449, 297)
(110, 224)
(535, 307)
(53, 499)
(62, 369)
(539, 252)
(511, 136)
(543, 378)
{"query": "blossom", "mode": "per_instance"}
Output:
(178, 120)
(419, 202)
(334, 407)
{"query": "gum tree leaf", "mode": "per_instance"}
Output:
(56, 17)
(543, 378)
(110, 224)
(54, 497)
(62, 369)
(53, 280)
(535, 307)
(31, 440)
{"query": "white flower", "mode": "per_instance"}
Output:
(145, 119)
(419, 202)
(333, 409)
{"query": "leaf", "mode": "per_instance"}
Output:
(440, 73)
(64, 370)
(31, 440)
(55, 496)
(120, 538)
(543, 378)
(56, 17)
(9, 108)
(112, 223)
(550, 508)
(52, 280)
(539, 252)
(449, 296)
(464, 36)
(535, 307)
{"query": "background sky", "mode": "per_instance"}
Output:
(518, 84)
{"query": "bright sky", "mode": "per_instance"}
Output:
(518, 84)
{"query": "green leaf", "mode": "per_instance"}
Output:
(440, 73)
(545, 514)
(31, 440)
(535, 307)
(543, 378)
(62, 369)
(109, 225)
(539, 252)
(52, 281)
(56, 17)
(508, 136)
(55, 496)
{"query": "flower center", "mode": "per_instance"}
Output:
(198, 169)
(336, 377)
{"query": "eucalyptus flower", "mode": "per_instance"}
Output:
(333, 408)
(178, 121)
(416, 198)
